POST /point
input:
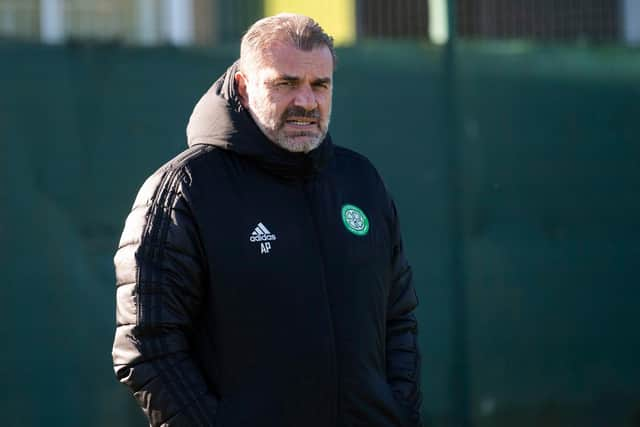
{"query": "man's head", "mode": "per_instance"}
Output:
(285, 79)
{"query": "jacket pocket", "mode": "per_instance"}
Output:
(409, 417)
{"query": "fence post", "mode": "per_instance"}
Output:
(630, 13)
(459, 374)
(52, 21)
(179, 22)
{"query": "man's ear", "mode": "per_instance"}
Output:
(241, 87)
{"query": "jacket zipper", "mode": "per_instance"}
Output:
(319, 246)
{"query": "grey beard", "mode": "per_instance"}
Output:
(288, 144)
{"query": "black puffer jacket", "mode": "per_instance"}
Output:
(258, 287)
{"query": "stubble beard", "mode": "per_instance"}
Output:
(273, 128)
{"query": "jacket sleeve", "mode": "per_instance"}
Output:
(403, 357)
(159, 288)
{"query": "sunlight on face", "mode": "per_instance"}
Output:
(289, 92)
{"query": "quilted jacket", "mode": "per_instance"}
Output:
(259, 287)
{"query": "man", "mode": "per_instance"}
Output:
(261, 279)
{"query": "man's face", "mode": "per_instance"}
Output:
(288, 93)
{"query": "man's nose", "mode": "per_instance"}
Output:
(305, 98)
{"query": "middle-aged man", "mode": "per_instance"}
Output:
(261, 279)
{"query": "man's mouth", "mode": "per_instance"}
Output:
(301, 123)
(301, 119)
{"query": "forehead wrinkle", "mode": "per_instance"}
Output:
(271, 57)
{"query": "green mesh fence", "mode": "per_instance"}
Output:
(548, 172)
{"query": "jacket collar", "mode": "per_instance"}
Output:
(219, 119)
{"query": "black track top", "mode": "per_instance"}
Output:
(259, 287)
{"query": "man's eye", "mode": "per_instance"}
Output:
(285, 83)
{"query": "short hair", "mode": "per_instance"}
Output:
(301, 31)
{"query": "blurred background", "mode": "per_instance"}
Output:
(507, 130)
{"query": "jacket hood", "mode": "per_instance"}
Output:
(220, 119)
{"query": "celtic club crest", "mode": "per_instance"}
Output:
(355, 220)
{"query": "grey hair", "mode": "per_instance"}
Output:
(301, 31)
